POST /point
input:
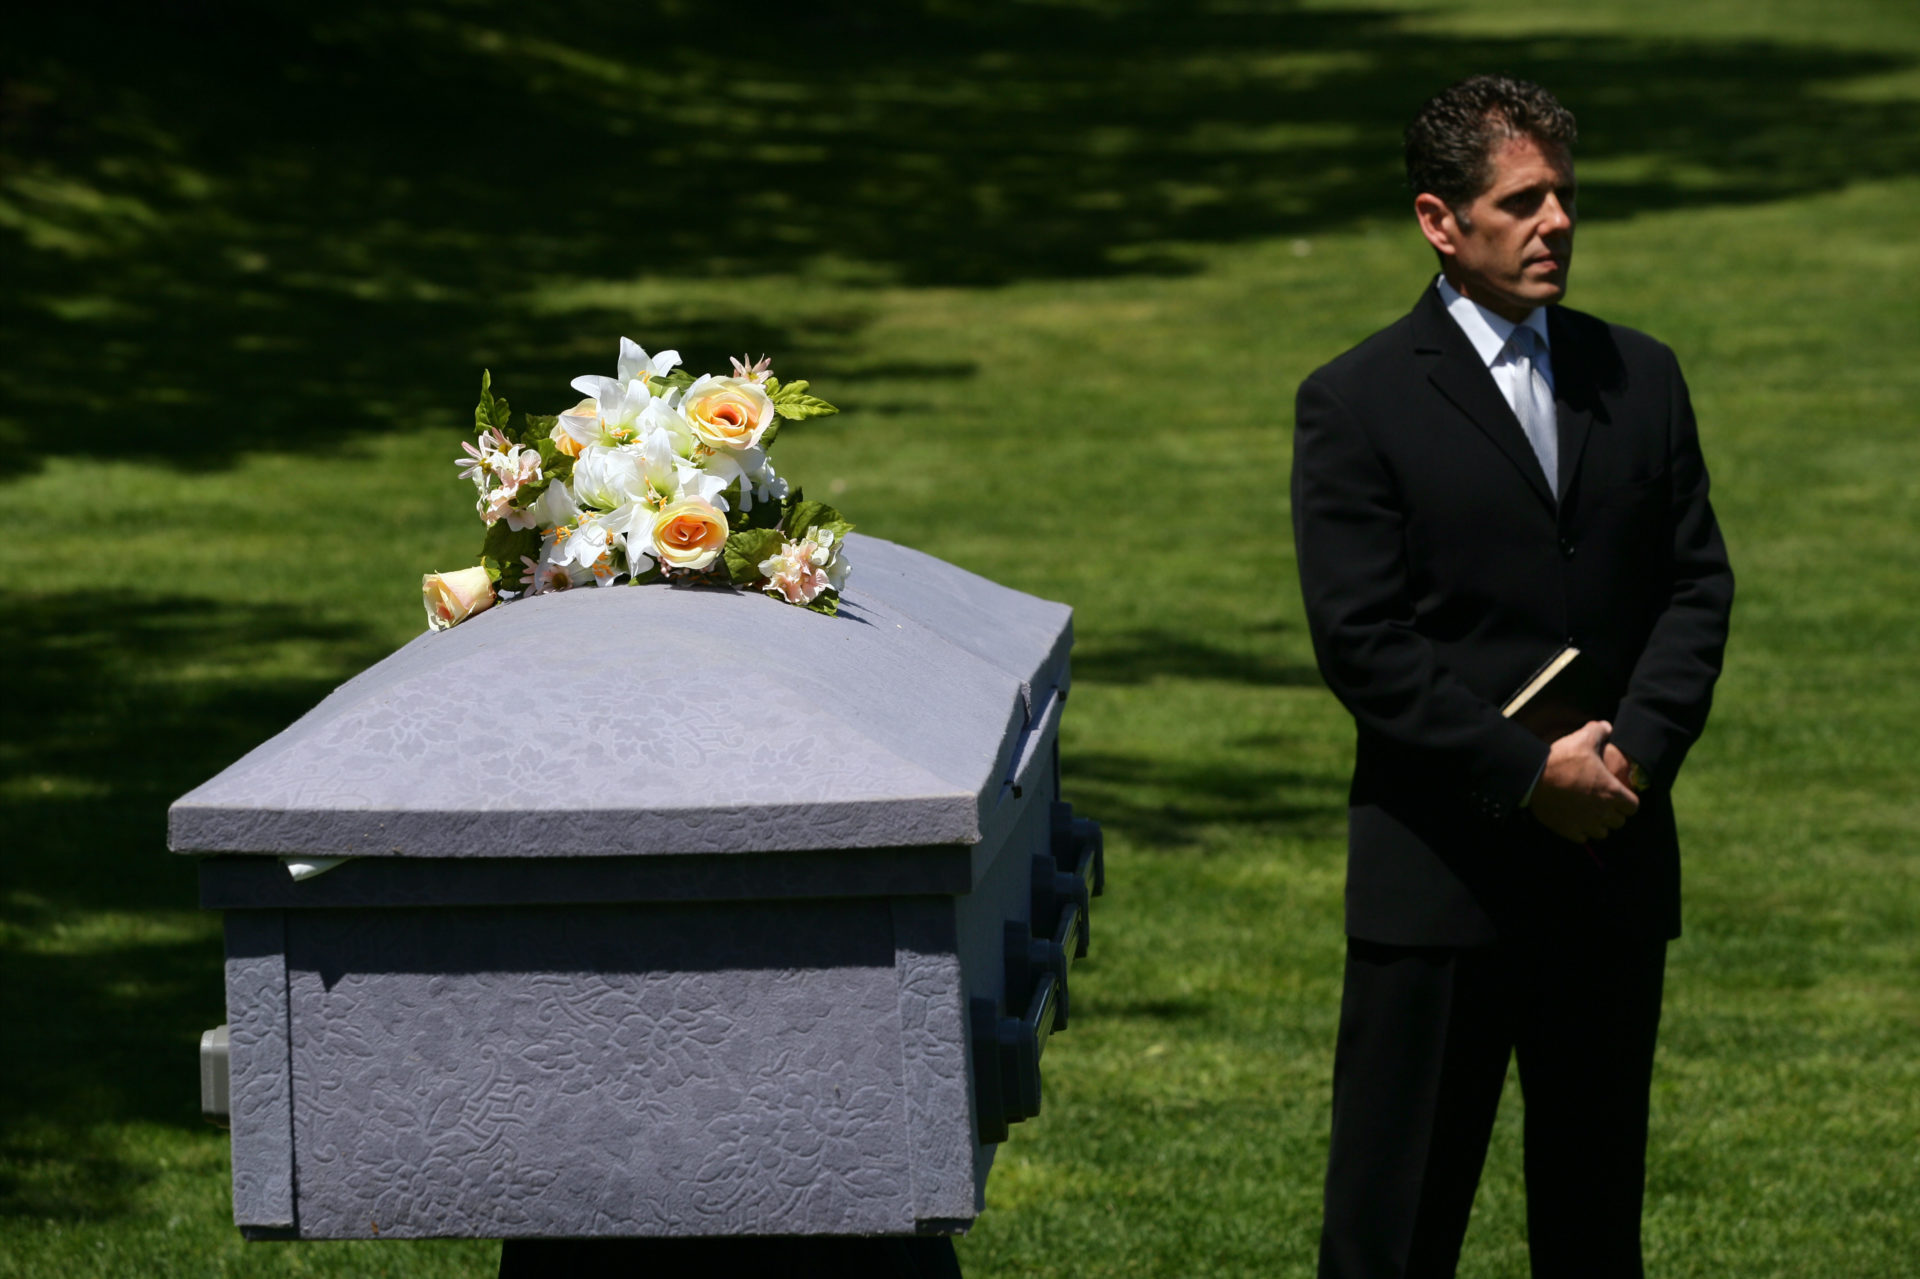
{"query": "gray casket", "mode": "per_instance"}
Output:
(673, 912)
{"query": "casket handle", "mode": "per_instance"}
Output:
(216, 1088)
(1007, 1053)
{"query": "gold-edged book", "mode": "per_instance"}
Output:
(1565, 693)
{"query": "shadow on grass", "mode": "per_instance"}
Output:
(1158, 1010)
(1137, 657)
(104, 998)
(114, 718)
(266, 225)
(1179, 802)
(101, 1036)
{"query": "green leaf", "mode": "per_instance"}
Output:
(763, 514)
(505, 577)
(539, 427)
(804, 406)
(491, 413)
(792, 402)
(554, 464)
(677, 380)
(504, 542)
(502, 550)
(746, 549)
(827, 602)
(803, 514)
(767, 436)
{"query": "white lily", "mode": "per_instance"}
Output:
(636, 363)
(617, 409)
(705, 485)
(607, 478)
(589, 544)
(578, 428)
(612, 412)
(555, 507)
(667, 444)
(660, 417)
(752, 470)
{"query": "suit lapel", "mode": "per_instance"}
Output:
(1576, 397)
(1455, 370)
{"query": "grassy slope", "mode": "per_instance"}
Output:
(1119, 443)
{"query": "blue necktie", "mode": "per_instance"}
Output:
(1533, 404)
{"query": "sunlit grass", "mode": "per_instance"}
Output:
(1118, 440)
(1186, 1110)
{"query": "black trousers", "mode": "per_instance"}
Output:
(1425, 1037)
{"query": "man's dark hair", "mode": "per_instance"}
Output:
(1450, 144)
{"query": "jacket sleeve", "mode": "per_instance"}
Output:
(1671, 688)
(1349, 534)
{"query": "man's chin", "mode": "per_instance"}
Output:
(1548, 292)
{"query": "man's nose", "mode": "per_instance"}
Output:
(1556, 216)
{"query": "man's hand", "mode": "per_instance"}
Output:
(1619, 765)
(1580, 796)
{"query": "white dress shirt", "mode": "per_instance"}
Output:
(1490, 334)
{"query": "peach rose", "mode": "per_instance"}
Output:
(727, 412)
(689, 534)
(586, 415)
(452, 598)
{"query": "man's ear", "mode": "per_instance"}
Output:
(1437, 223)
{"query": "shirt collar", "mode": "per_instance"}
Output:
(1487, 331)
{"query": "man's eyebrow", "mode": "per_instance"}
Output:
(1540, 189)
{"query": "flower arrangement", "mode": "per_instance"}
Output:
(657, 475)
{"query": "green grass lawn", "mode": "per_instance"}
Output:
(1063, 267)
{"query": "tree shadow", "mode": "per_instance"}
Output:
(104, 995)
(100, 1037)
(114, 718)
(1149, 653)
(245, 226)
(241, 227)
(1168, 800)
(1169, 803)
(1170, 1011)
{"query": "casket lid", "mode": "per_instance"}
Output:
(621, 721)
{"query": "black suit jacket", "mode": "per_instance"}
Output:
(1439, 571)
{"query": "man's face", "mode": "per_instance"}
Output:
(1509, 249)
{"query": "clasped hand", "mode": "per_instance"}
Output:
(1583, 794)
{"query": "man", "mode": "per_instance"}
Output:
(1487, 480)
